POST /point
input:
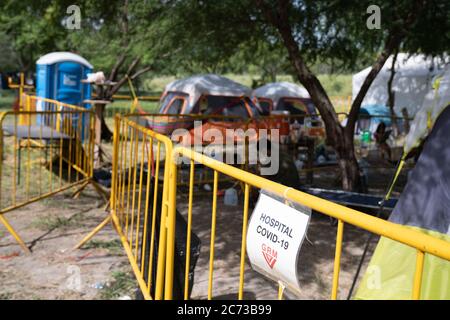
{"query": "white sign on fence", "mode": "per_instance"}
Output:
(275, 235)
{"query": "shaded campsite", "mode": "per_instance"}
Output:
(58, 224)
(201, 150)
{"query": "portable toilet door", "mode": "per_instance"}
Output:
(59, 76)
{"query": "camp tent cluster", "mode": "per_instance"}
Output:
(413, 80)
(423, 206)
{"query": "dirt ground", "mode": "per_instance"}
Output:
(53, 226)
(315, 262)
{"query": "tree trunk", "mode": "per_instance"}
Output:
(335, 134)
(391, 95)
(348, 164)
(341, 138)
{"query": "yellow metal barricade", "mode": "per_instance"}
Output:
(48, 153)
(144, 202)
(139, 206)
(424, 244)
(139, 200)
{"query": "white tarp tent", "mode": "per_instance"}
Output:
(412, 82)
(435, 102)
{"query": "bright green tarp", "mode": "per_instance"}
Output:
(390, 274)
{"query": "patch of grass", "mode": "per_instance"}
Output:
(124, 283)
(55, 203)
(7, 98)
(6, 296)
(113, 246)
(53, 222)
(337, 84)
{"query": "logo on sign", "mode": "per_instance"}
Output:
(69, 81)
(270, 255)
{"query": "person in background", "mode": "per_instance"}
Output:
(381, 136)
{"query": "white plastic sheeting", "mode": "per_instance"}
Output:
(55, 57)
(277, 90)
(411, 83)
(436, 100)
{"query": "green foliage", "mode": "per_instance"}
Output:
(228, 36)
(31, 28)
(123, 284)
(7, 98)
(113, 246)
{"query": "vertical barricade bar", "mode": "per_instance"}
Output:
(337, 259)
(418, 275)
(115, 167)
(171, 160)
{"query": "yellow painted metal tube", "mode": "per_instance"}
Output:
(155, 199)
(43, 196)
(122, 168)
(129, 181)
(418, 275)
(189, 228)
(115, 166)
(93, 232)
(133, 263)
(243, 241)
(133, 196)
(171, 220)
(161, 270)
(138, 220)
(146, 206)
(14, 233)
(280, 291)
(213, 236)
(56, 102)
(415, 239)
(337, 260)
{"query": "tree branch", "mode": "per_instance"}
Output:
(394, 39)
(124, 79)
(391, 44)
(115, 69)
(280, 20)
(140, 72)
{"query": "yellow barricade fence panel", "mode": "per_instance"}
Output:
(139, 200)
(424, 244)
(43, 153)
(144, 201)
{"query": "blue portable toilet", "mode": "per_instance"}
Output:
(59, 76)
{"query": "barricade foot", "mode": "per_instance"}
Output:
(93, 232)
(77, 192)
(14, 234)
